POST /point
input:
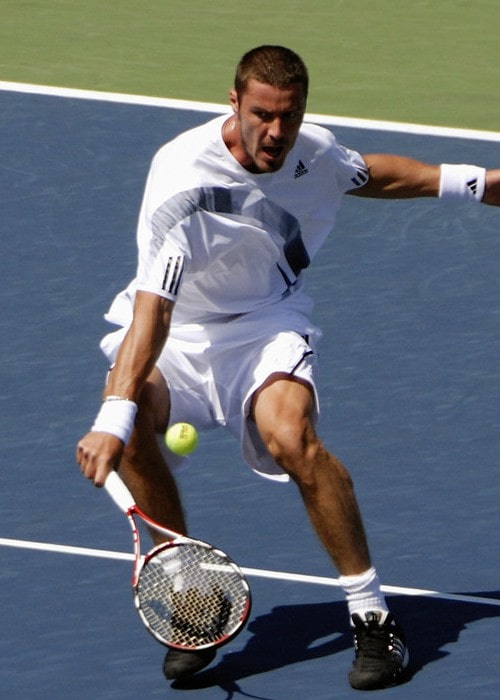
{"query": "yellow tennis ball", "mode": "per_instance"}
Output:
(181, 438)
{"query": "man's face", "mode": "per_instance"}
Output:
(267, 123)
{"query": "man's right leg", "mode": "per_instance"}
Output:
(147, 475)
(143, 466)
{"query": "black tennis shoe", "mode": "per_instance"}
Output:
(381, 653)
(181, 664)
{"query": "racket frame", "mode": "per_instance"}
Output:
(122, 497)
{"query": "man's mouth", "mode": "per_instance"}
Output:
(273, 151)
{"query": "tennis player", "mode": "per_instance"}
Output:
(215, 328)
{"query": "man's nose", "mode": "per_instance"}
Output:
(276, 129)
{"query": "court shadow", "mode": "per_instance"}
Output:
(432, 624)
(287, 635)
(298, 633)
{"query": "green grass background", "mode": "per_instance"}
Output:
(426, 61)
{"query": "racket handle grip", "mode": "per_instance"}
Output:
(119, 492)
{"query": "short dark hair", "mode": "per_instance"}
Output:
(271, 65)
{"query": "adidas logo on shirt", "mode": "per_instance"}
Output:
(300, 170)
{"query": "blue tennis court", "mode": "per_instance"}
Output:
(407, 294)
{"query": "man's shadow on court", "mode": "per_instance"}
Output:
(298, 633)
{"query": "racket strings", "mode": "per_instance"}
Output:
(191, 595)
(200, 616)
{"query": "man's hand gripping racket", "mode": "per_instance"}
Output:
(188, 594)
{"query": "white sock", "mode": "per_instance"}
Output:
(363, 592)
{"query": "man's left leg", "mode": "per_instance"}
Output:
(282, 409)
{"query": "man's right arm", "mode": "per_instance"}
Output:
(101, 449)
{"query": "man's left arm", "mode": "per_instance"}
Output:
(398, 177)
(492, 190)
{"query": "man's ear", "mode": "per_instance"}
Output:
(233, 100)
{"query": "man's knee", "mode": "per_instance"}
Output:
(294, 446)
(283, 409)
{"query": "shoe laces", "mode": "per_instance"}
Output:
(374, 636)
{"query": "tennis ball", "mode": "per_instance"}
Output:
(181, 438)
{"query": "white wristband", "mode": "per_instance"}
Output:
(116, 416)
(462, 182)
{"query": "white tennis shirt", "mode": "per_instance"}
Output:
(226, 244)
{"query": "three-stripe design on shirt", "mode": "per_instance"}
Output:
(173, 274)
(361, 177)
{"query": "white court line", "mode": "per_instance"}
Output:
(354, 123)
(260, 573)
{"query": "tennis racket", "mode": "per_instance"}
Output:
(188, 594)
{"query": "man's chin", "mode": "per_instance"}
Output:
(269, 165)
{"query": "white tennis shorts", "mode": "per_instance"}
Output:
(212, 383)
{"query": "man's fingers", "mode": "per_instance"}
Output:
(97, 454)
